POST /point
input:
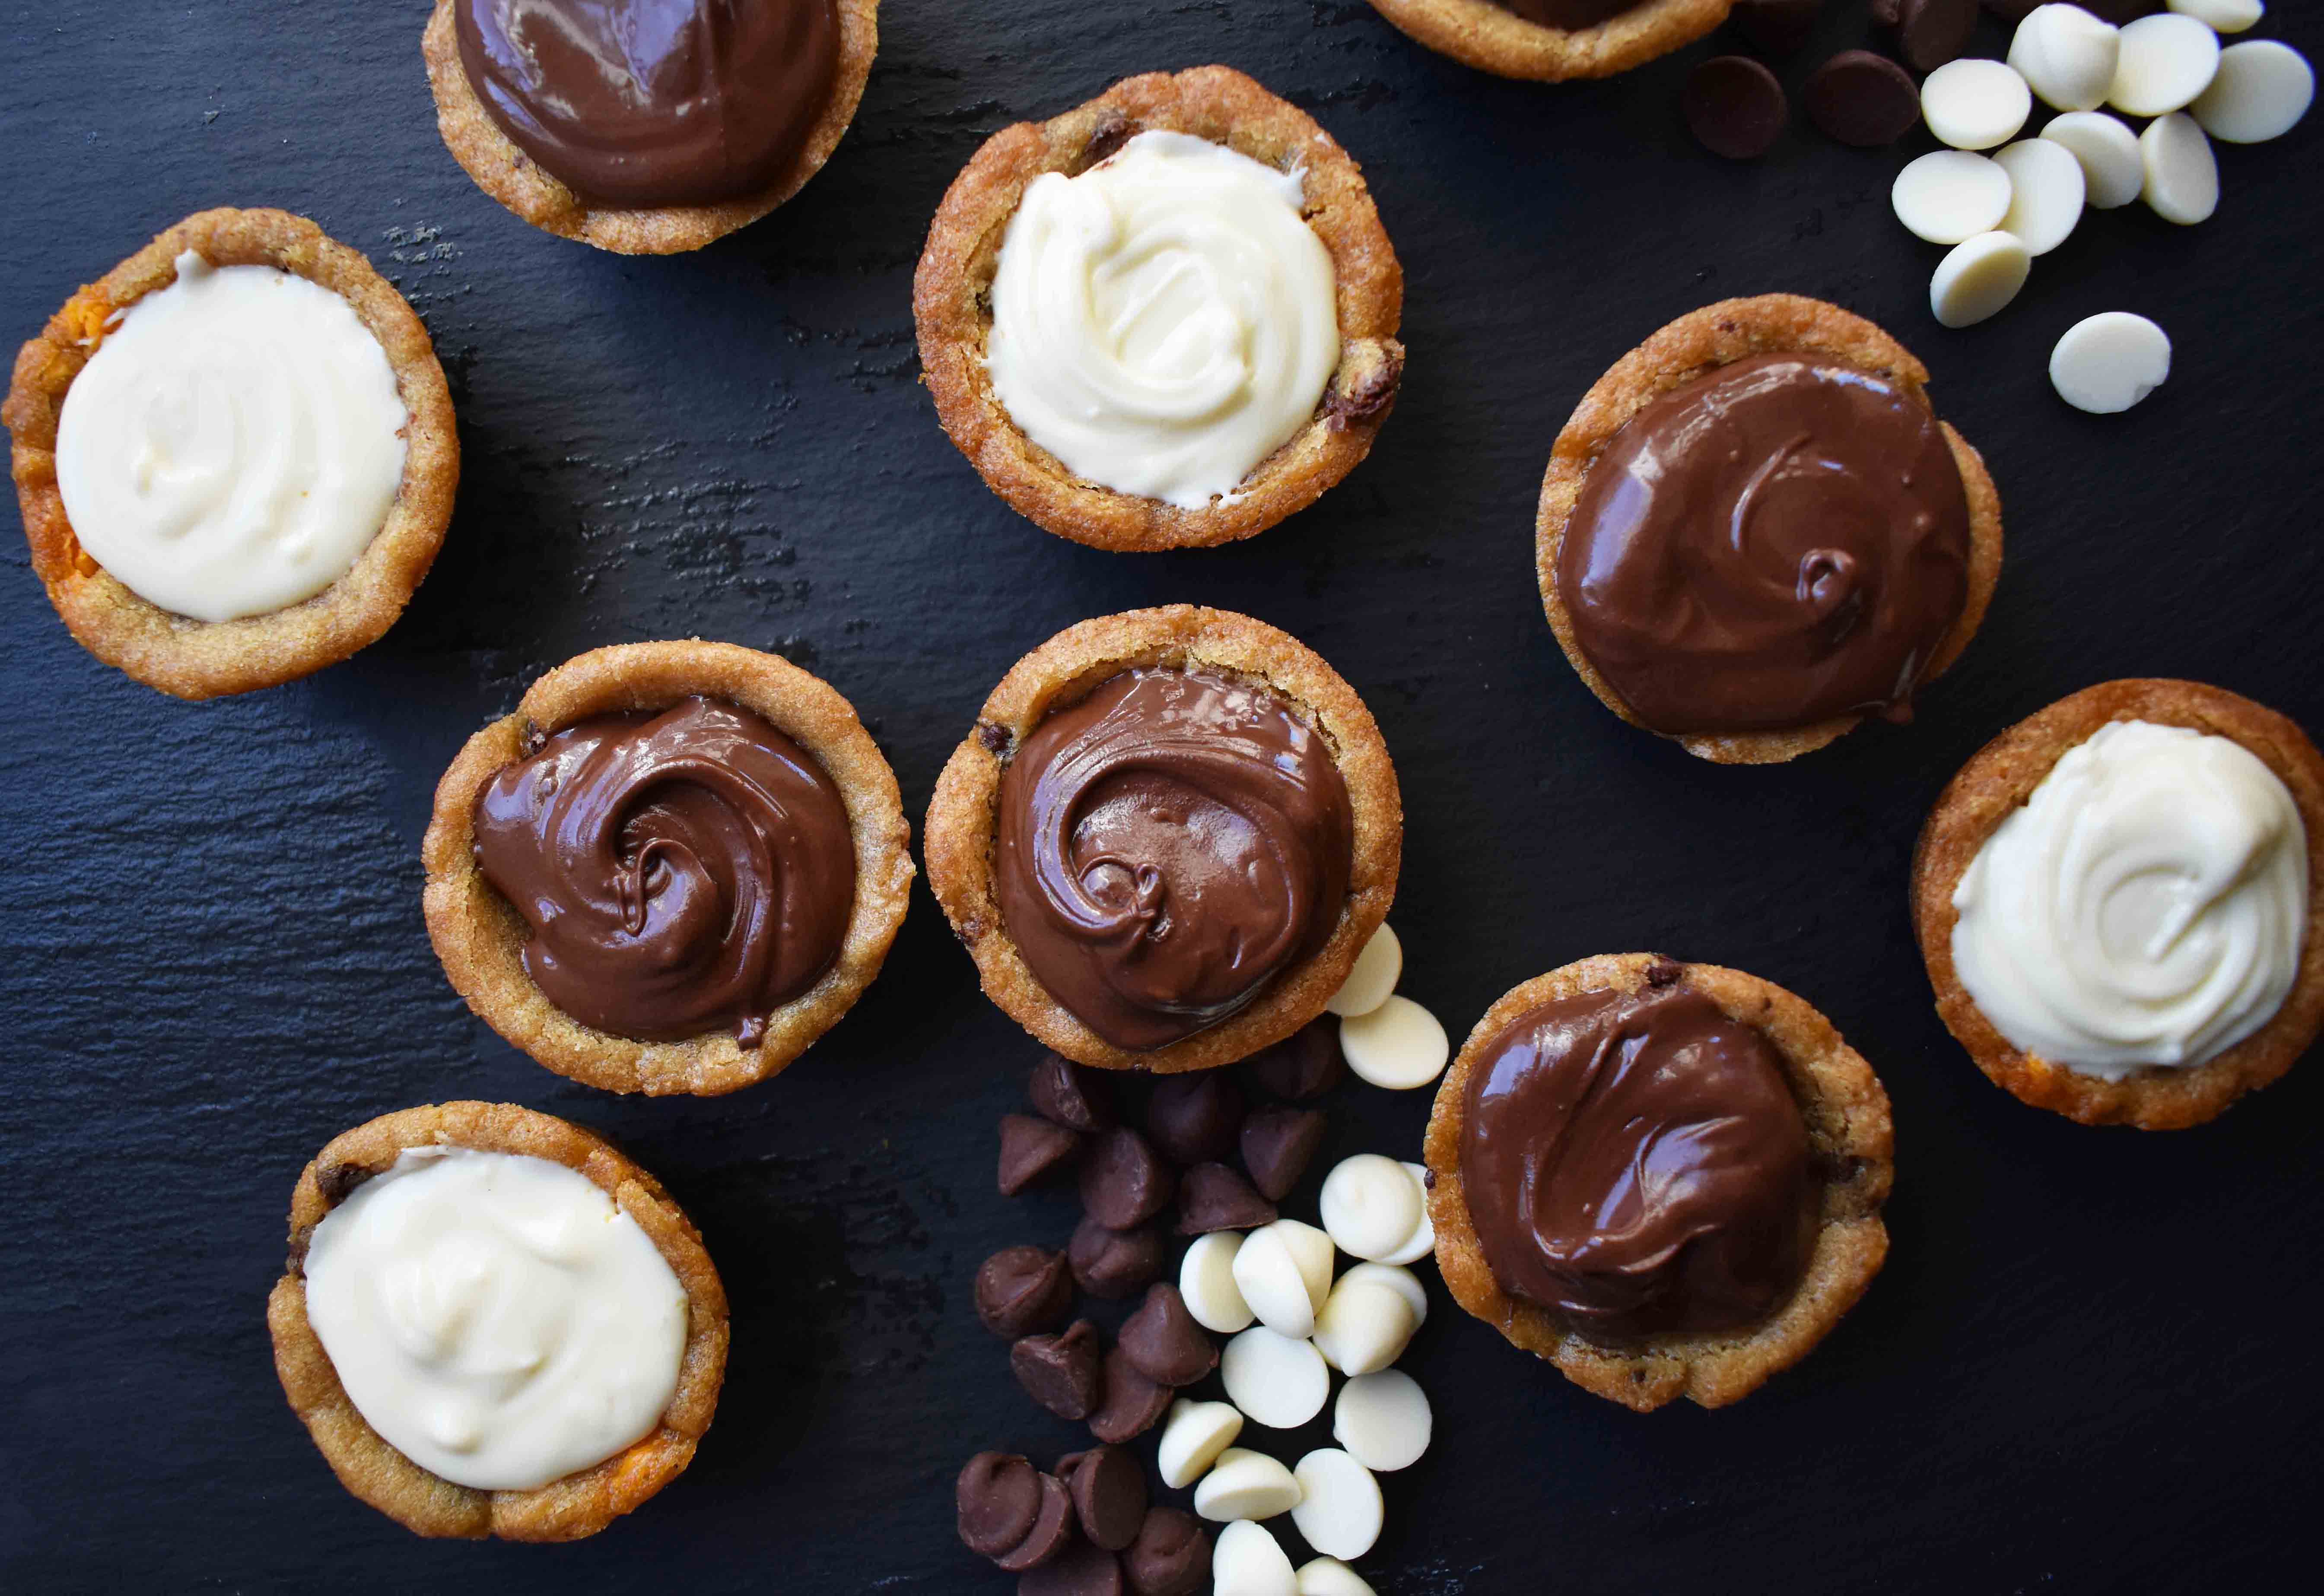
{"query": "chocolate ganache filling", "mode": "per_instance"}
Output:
(683, 872)
(1635, 1164)
(1569, 14)
(1167, 845)
(1782, 541)
(643, 103)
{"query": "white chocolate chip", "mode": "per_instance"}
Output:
(2221, 16)
(2110, 361)
(1364, 1328)
(1980, 276)
(1247, 1561)
(1192, 1437)
(1370, 1206)
(1245, 1484)
(1399, 1045)
(1272, 1284)
(1950, 195)
(2260, 90)
(2066, 55)
(2112, 171)
(1373, 981)
(1383, 1420)
(2182, 176)
(1276, 1381)
(1328, 1576)
(1207, 1281)
(1402, 1282)
(1422, 1241)
(2166, 60)
(1974, 104)
(1340, 1509)
(2046, 188)
(1311, 1250)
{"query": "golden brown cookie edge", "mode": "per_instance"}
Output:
(1491, 39)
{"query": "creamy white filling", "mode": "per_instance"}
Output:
(496, 1317)
(2146, 905)
(1165, 320)
(233, 445)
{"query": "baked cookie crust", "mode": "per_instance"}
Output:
(509, 175)
(481, 938)
(426, 1503)
(1700, 342)
(1491, 39)
(952, 307)
(963, 814)
(199, 659)
(1851, 1145)
(1995, 782)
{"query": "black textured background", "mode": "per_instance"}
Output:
(2086, 1366)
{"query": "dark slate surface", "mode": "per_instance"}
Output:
(2087, 1365)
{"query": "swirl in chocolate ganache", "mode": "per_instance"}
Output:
(1782, 541)
(1166, 847)
(683, 872)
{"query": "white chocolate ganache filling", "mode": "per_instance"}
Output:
(496, 1317)
(233, 445)
(1165, 320)
(2144, 906)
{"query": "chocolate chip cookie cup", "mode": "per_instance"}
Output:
(1166, 839)
(671, 870)
(218, 551)
(1550, 41)
(1754, 533)
(1181, 416)
(578, 1270)
(1665, 1178)
(2120, 901)
(679, 144)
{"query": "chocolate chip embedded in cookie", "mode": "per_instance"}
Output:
(2121, 903)
(1179, 769)
(1550, 40)
(1664, 1178)
(617, 1331)
(1228, 349)
(671, 870)
(1754, 534)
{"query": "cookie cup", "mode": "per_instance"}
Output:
(480, 937)
(509, 175)
(1493, 39)
(580, 1504)
(1852, 1150)
(199, 659)
(963, 820)
(952, 308)
(1991, 787)
(1692, 346)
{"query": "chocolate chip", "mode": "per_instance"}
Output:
(1370, 392)
(1109, 1491)
(1113, 130)
(1277, 1146)
(995, 738)
(996, 1499)
(1131, 1405)
(1082, 1570)
(1887, 12)
(1212, 1196)
(1306, 1064)
(1114, 1263)
(1664, 972)
(1124, 1181)
(1021, 1289)
(532, 740)
(337, 1182)
(1171, 1555)
(1062, 1372)
(1162, 1341)
(1193, 1118)
(1862, 99)
(1073, 1096)
(1734, 107)
(1052, 1532)
(1776, 26)
(1032, 1148)
(1931, 32)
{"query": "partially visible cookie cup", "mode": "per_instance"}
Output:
(1494, 39)
(1997, 782)
(1851, 1146)
(580, 1504)
(199, 659)
(514, 177)
(952, 307)
(1690, 347)
(963, 818)
(480, 938)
